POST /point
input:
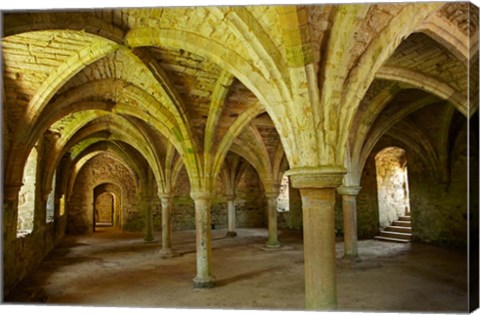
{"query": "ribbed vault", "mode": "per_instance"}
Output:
(308, 88)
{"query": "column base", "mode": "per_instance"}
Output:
(231, 234)
(275, 244)
(149, 239)
(203, 283)
(351, 259)
(168, 253)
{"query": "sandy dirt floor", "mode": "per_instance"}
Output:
(110, 268)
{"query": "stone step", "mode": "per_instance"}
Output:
(389, 239)
(405, 236)
(405, 218)
(402, 223)
(401, 229)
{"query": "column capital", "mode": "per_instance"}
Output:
(146, 197)
(10, 191)
(317, 177)
(230, 196)
(349, 190)
(201, 194)
(271, 194)
(165, 195)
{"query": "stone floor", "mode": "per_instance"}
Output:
(109, 268)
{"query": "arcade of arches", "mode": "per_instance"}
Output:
(160, 120)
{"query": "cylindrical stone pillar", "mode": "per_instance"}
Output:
(272, 241)
(10, 211)
(349, 206)
(231, 216)
(318, 188)
(166, 251)
(204, 278)
(147, 203)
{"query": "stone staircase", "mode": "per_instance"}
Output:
(399, 231)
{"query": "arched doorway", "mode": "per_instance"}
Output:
(393, 193)
(106, 206)
(104, 209)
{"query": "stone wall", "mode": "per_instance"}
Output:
(22, 253)
(439, 210)
(250, 204)
(99, 170)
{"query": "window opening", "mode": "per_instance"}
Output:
(51, 201)
(62, 205)
(26, 196)
(283, 200)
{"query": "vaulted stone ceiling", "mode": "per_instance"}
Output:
(186, 85)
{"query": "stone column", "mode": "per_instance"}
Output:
(272, 241)
(349, 205)
(10, 217)
(147, 204)
(10, 211)
(204, 278)
(318, 189)
(231, 216)
(166, 251)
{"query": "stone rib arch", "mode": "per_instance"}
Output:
(219, 96)
(231, 173)
(123, 132)
(78, 21)
(235, 129)
(181, 131)
(103, 145)
(91, 152)
(365, 118)
(279, 164)
(443, 152)
(173, 165)
(427, 83)
(446, 34)
(381, 127)
(415, 141)
(81, 163)
(179, 165)
(252, 159)
(245, 27)
(81, 160)
(73, 103)
(95, 144)
(99, 48)
(235, 64)
(251, 149)
(420, 143)
(373, 58)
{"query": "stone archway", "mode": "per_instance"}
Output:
(104, 209)
(392, 185)
(107, 210)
